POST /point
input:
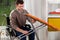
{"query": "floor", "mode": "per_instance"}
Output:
(42, 35)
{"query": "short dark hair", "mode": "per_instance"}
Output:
(19, 2)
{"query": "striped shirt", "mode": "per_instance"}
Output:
(18, 18)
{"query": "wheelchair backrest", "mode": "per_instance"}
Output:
(8, 21)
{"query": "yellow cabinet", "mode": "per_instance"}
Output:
(54, 21)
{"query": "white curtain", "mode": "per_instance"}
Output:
(38, 8)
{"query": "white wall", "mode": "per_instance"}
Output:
(54, 35)
(54, 1)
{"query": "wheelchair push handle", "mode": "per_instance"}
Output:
(5, 15)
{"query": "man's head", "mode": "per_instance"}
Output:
(20, 4)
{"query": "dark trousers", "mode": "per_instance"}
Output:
(31, 36)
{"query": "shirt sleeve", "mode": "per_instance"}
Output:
(13, 20)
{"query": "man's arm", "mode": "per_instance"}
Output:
(33, 21)
(14, 24)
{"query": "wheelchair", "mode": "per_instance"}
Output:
(11, 32)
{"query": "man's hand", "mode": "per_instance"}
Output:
(25, 32)
(33, 21)
(22, 31)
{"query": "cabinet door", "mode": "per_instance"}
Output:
(55, 22)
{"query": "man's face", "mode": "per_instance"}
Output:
(20, 6)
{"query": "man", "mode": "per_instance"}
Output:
(18, 20)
